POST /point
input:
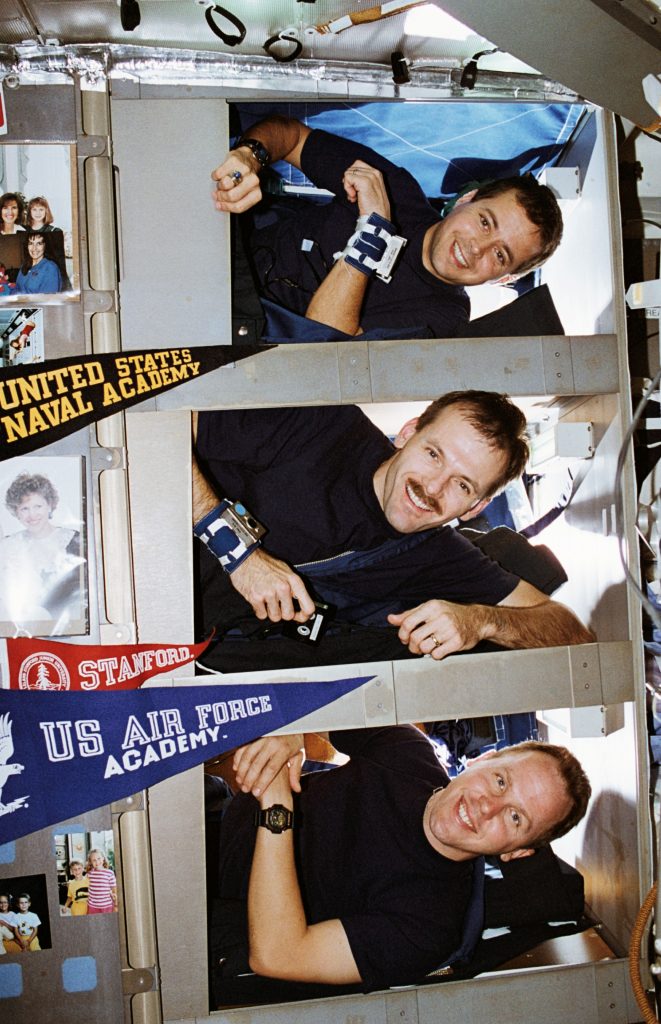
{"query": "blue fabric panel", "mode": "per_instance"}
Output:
(446, 146)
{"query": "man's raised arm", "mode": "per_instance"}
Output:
(237, 177)
(269, 585)
(281, 942)
(339, 298)
(527, 618)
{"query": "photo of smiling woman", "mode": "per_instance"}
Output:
(42, 563)
(38, 275)
(39, 243)
(12, 211)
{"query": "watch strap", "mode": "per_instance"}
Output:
(258, 150)
(230, 533)
(276, 818)
(373, 248)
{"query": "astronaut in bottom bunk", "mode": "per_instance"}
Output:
(364, 873)
(363, 522)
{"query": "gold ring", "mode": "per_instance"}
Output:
(437, 642)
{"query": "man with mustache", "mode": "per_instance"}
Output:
(363, 874)
(362, 523)
(399, 270)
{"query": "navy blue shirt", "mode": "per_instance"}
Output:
(362, 856)
(290, 271)
(307, 475)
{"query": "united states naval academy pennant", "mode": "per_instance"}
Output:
(62, 754)
(43, 402)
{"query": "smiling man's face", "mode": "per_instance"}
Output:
(481, 240)
(499, 805)
(445, 471)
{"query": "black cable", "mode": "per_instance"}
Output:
(268, 282)
(643, 220)
(619, 502)
(469, 73)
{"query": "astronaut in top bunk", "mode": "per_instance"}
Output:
(399, 270)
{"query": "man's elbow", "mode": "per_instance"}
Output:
(572, 631)
(272, 965)
(583, 635)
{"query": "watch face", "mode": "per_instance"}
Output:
(278, 818)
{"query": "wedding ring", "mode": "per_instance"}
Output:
(236, 176)
(437, 642)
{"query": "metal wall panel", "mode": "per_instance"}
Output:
(174, 246)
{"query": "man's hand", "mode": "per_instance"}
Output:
(364, 185)
(270, 586)
(257, 764)
(526, 619)
(234, 194)
(439, 628)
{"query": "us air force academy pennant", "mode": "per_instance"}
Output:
(62, 754)
(44, 402)
(55, 665)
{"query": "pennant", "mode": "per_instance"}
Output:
(62, 754)
(54, 665)
(44, 402)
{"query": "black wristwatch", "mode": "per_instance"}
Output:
(275, 818)
(260, 152)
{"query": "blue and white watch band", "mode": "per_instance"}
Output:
(230, 532)
(373, 247)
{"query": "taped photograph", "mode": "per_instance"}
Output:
(24, 919)
(86, 881)
(38, 223)
(43, 580)
(21, 336)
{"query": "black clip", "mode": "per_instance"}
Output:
(238, 25)
(129, 14)
(469, 74)
(400, 68)
(298, 46)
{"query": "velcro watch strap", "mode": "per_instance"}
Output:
(230, 532)
(373, 247)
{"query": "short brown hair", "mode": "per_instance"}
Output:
(30, 483)
(541, 208)
(577, 784)
(500, 422)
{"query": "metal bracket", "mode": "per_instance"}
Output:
(379, 697)
(102, 458)
(98, 302)
(558, 368)
(92, 145)
(140, 979)
(136, 802)
(354, 371)
(585, 675)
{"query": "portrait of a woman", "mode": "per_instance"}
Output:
(40, 565)
(38, 273)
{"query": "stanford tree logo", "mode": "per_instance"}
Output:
(43, 671)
